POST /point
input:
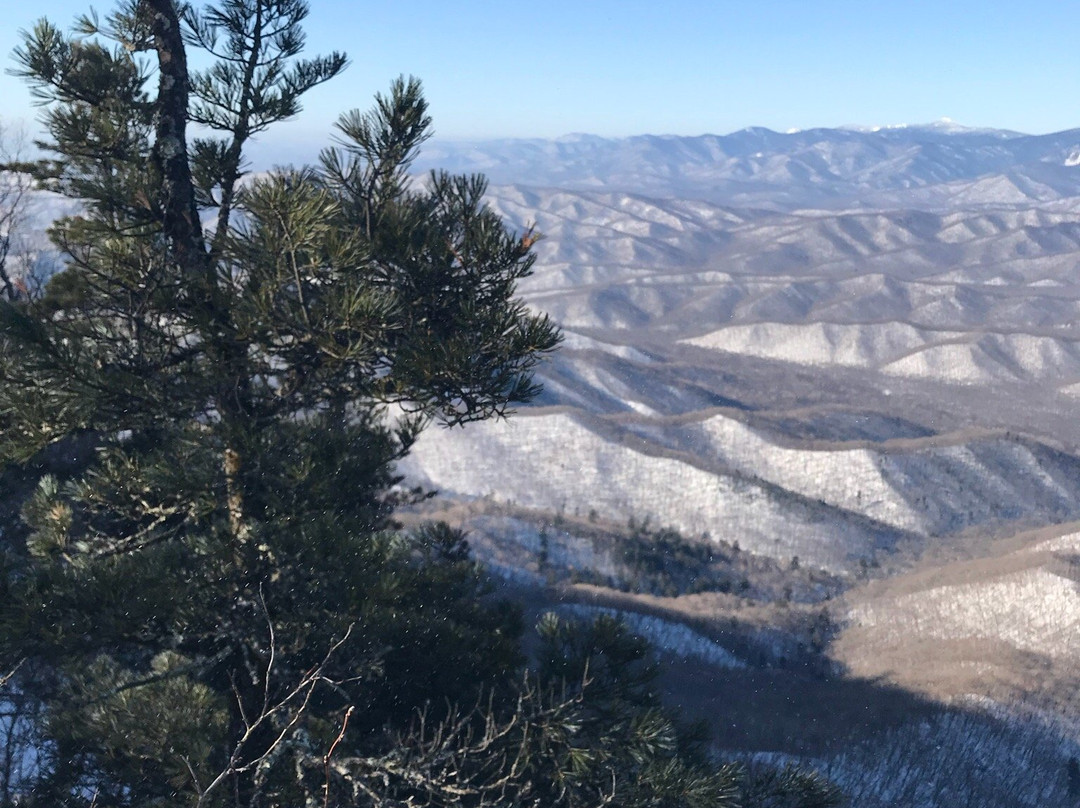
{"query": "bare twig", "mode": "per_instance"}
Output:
(330, 754)
(472, 756)
(7, 677)
(290, 709)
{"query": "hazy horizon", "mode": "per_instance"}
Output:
(618, 69)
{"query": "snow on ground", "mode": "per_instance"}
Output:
(1033, 610)
(674, 638)
(739, 484)
(855, 345)
(554, 462)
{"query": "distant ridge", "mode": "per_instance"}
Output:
(919, 166)
(943, 125)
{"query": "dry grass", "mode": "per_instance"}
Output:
(1004, 624)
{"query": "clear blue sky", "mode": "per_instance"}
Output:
(544, 68)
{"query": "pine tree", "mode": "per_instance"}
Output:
(204, 600)
(212, 414)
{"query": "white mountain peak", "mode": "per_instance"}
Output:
(943, 125)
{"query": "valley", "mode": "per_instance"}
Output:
(843, 365)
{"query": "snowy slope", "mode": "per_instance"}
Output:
(834, 293)
(555, 462)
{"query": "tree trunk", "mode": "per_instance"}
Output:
(183, 231)
(180, 215)
(234, 494)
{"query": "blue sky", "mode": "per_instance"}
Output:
(496, 68)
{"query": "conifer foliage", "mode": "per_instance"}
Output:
(203, 600)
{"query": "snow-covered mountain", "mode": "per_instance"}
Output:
(757, 166)
(885, 375)
(852, 349)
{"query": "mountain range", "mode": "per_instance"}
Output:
(852, 354)
(924, 167)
